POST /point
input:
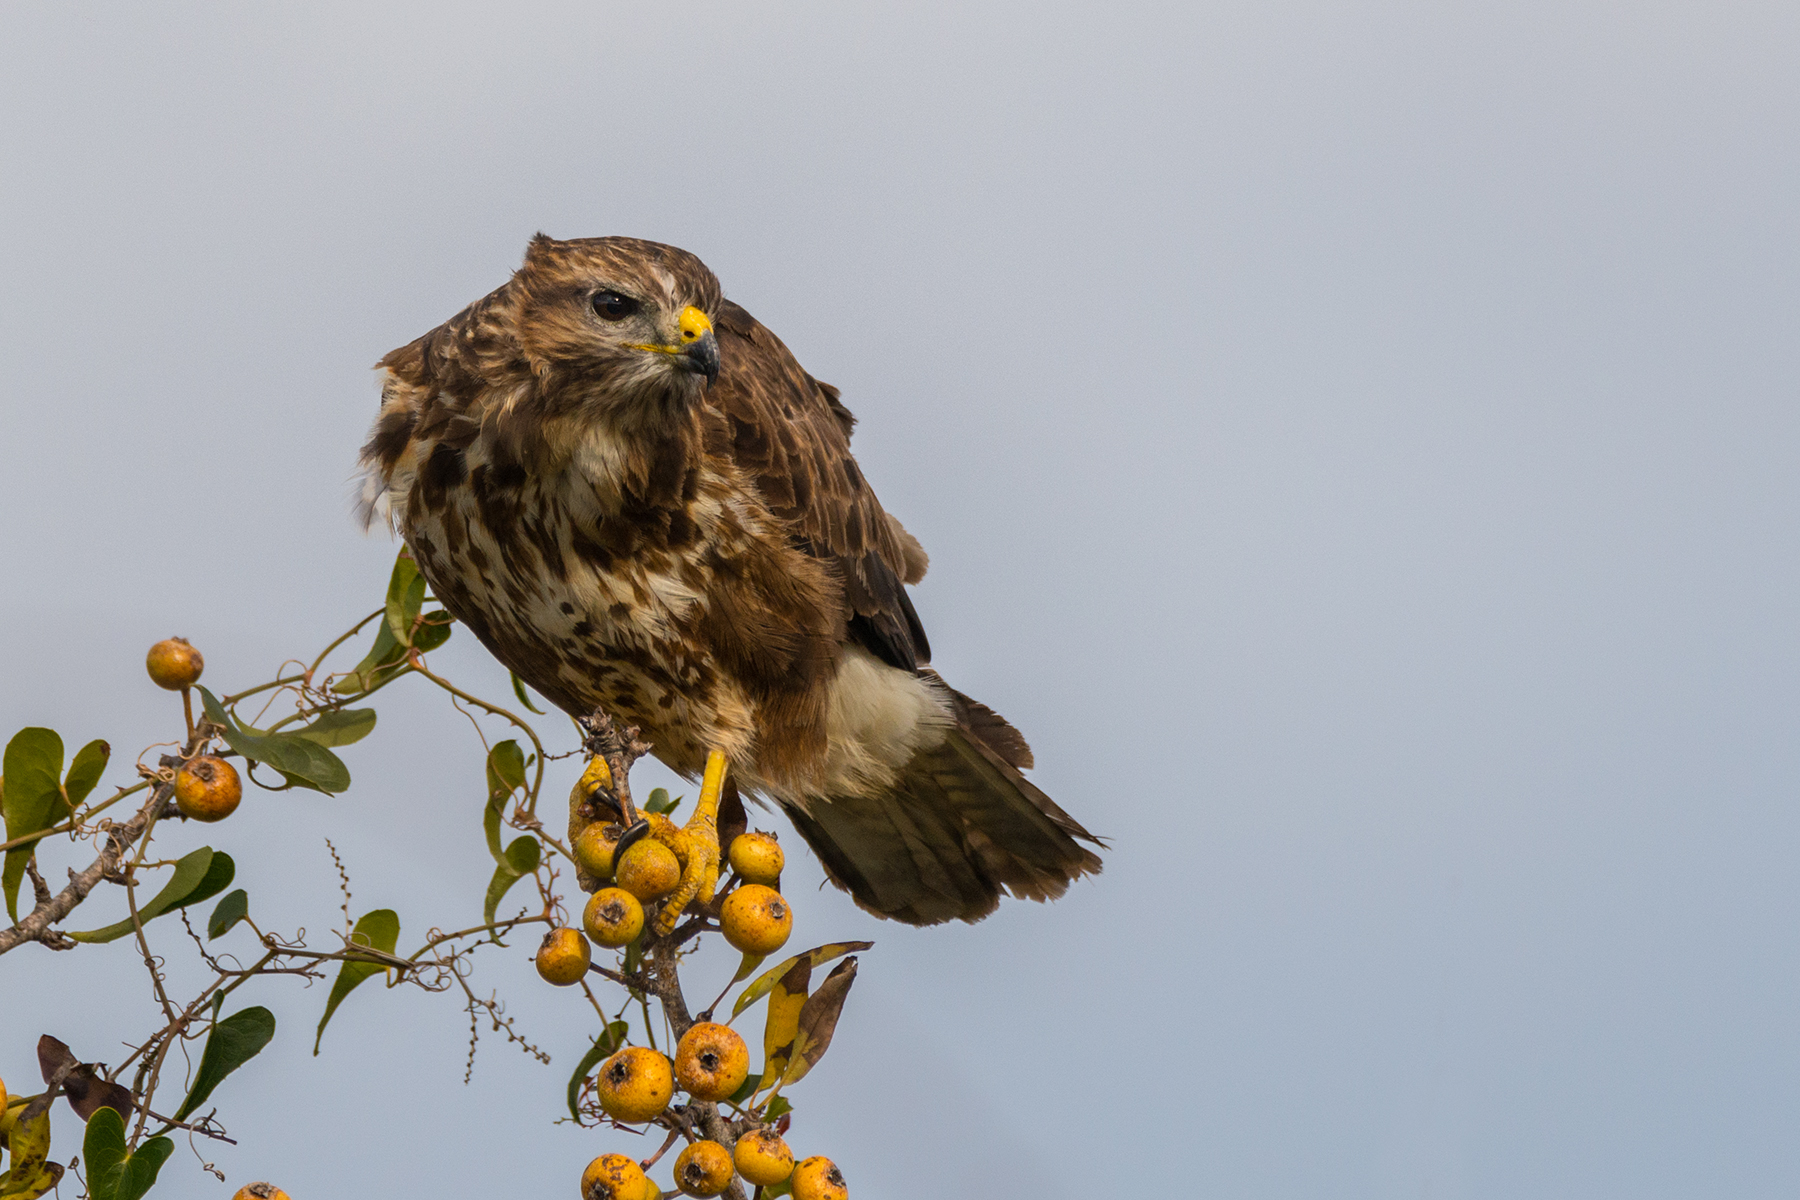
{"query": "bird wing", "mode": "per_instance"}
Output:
(791, 435)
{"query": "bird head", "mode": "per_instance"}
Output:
(618, 322)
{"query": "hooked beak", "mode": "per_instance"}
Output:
(701, 354)
(698, 347)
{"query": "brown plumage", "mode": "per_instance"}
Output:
(631, 492)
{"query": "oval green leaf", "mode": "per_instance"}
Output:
(378, 929)
(338, 728)
(232, 909)
(232, 1043)
(113, 1172)
(32, 773)
(85, 771)
(305, 763)
(198, 876)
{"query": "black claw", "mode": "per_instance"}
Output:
(633, 834)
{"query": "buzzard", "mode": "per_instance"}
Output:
(631, 492)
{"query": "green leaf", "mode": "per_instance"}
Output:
(610, 1039)
(85, 771)
(232, 909)
(778, 1108)
(32, 773)
(818, 956)
(113, 1173)
(338, 728)
(405, 596)
(232, 1043)
(219, 874)
(304, 762)
(747, 1089)
(198, 876)
(506, 768)
(505, 775)
(378, 929)
(523, 855)
(519, 691)
(386, 653)
(520, 860)
(659, 802)
(433, 630)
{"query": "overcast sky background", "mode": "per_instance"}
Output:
(1356, 443)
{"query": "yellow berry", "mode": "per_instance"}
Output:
(648, 870)
(208, 789)
(817, 1178)
(594, 848)
(636, 1084)
(562, 957)
(757, 857)
(614, 1177)
(756, 919)
(613, 917)
(712, 1062)
(174, 664)
(260, 1191)
(703, 1169)
(763, 1158)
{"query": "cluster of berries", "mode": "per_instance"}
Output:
(753, 917)
(705, 1169)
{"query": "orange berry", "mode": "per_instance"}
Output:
(613, 917)
(648, 870)
(208, 789)
(562, 957)
(703, 1169)
(756, 919)
(712, 1062)
(763, 1158)
(757, 857)
(594, 847)
(817, 1178)
(636, 1084)
(614, 1177)
(260, 1191)
(174, 664)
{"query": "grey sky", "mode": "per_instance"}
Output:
(1356, 444)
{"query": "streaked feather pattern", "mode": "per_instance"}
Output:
(706, 561)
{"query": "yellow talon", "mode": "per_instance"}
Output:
(696, 846)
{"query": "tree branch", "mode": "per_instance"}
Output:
(35, 927)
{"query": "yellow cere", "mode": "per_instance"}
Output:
(694, 326)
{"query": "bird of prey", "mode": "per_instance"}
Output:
(631, 492)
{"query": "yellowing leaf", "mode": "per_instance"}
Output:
(818, 1021)
(818, 956)
(786, 998)
(29, 1142)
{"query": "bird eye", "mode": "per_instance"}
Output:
(611, 306)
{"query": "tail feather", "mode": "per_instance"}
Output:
(960, 826)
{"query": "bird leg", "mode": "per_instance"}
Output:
(696, 846)
(592, 793)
